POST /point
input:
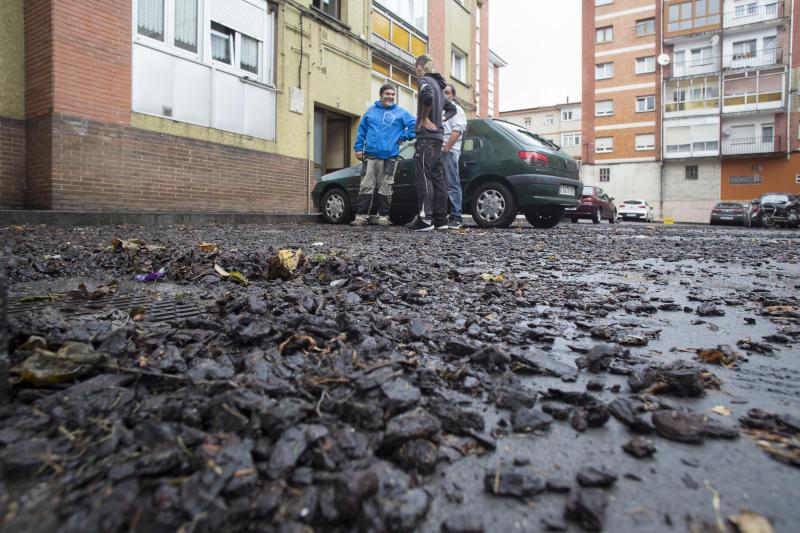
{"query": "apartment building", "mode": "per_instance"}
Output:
(715, 89)
(211, 105)
(560, 123)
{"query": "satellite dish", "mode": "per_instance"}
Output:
(714, 40)
(727, 130)
(663, 60)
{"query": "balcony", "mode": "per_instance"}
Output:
(692, 107)
(744, 15)
(693, 67)
(752, 145)
(689, 150)
(758, 59)
(753, 91)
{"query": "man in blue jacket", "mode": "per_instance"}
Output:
(382, 129)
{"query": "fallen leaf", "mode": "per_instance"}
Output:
(44, 367)
(780, 309)
(490, 277)
(721, 410)
(750, 522)
(422, 293)
(237, 277)
(221, 271)
(208, 247)
(284, 263)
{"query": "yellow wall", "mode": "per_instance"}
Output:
(12, 59)
(335, 74)
(459, 33)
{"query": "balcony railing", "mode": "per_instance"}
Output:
(734, 103)
(760, 58)
(696, 106)
(752, 145)
(752, 13)
(692, 67)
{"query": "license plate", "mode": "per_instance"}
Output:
(726, 218)
(566, 190)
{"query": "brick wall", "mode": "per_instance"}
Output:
(587, 83)
(38, 57)
(105, 166)
(92, 59)
(12, 163)
(38, 162)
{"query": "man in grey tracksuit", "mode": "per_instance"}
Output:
(432, 109)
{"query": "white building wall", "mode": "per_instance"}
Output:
(628, 180)
(691, 200)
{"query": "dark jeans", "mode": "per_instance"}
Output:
(429, 178)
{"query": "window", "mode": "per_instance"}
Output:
(526, 122)
(567, 115)
(691, 172)
(744, 49)
(604, 71)
(645, 65)
(770, 43)
(745, 10)
(645, 27)
(767, 133)
(221, 43)
(604, 108)
(706, 12)
(604, 34)
(570, 139)
(646, 141)
(329, 7)
(548, 120)
(605, 174)
(150, 19)
(679, 17)
(458, 65)
(645, 103)
(604, 145)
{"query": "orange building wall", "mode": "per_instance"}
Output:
(777, 175)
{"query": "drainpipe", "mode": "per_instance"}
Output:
(789, 86)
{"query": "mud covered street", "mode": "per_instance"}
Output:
(628, 377)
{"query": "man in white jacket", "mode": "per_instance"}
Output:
(451, 151)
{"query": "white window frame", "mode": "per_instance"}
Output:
(458, 64)
(644, 100)
(235, 67)
(645, 65)
(644, 146)
(570, 139)
(604, 113)
(603, 147)
(168, 43)
(751, 49)
(526, 122)
(567, 116)
(604, 34)
(604, 71)
(549, 120)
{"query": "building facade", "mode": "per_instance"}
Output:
(561, 123)
(207, 105)
(695, 101)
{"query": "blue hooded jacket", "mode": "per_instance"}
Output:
(381, 128)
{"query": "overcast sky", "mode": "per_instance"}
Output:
(541, 42)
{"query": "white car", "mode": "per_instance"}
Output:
(635, 210)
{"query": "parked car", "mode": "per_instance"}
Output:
(635, 210)
(505, 170)
(728, 213)
(755, 212)
(595, 204)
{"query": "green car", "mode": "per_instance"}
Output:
(505, 170)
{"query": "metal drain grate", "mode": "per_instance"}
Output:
(154, 311)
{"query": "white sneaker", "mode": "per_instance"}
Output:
(360, 220)
(383, 221)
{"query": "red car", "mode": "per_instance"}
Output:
(595, 205)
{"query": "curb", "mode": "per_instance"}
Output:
(112, 218)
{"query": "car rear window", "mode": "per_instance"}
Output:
(774, 199)
(632, 202)
(522, 135)
(588, 190)
(728, 205)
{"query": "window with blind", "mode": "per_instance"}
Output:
(604, 108)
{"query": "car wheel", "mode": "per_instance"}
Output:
(493, 206)
(613, 219)
(544, 217)
(335, 206)
(767, 221)
(597, 216)
(574, 220)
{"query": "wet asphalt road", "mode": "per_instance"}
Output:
(564, 280)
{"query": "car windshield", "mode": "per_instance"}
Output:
(728, 205)
(774, 199)
(632, 202)
(524, 136)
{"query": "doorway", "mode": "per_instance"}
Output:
(332, 143)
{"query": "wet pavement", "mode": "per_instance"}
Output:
(629, 377)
